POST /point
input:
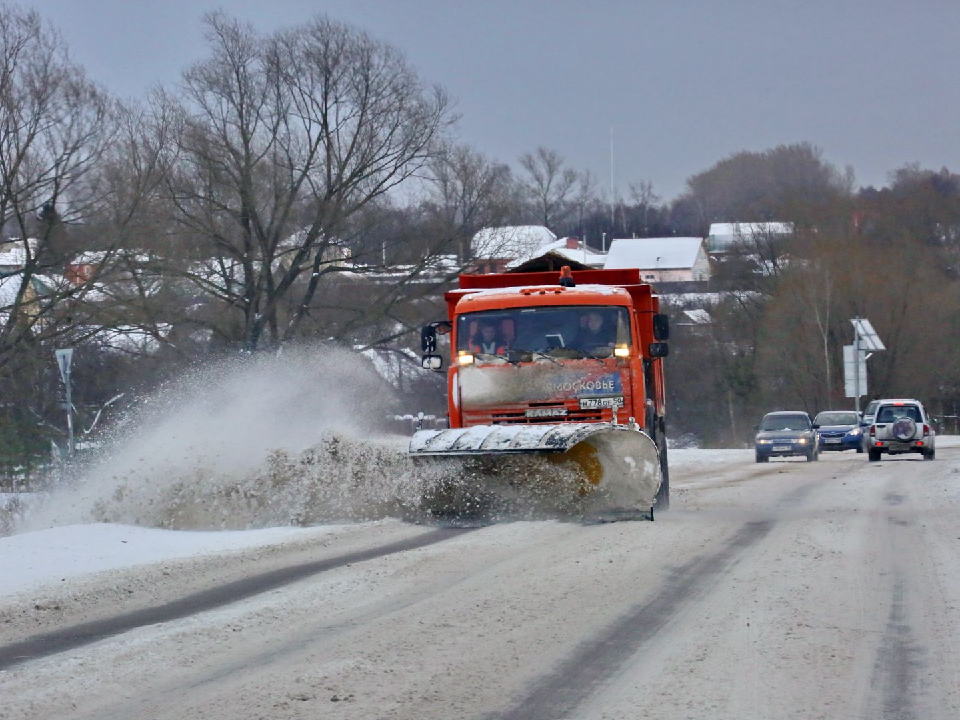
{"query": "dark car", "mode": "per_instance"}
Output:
(786, 433)
(839, 430)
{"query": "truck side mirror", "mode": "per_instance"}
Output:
(661, 326)
(428, 339)
(431, 362)
(659, 349)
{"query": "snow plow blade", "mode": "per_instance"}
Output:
(607, 471)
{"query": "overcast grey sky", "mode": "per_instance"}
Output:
(682, 84)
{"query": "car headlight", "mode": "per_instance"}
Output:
(764, 442)
(802, 441)
(856, 432)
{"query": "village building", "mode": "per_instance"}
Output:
(495, 248)
(570, 251)
(666, 259)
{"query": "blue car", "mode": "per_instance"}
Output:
(839, 430)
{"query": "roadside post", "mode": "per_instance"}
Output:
(64, 359)
(865, 343)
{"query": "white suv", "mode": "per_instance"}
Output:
(900, 426)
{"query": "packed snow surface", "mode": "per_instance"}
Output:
(833, 584)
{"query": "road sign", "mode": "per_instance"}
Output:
(851, 383)
(64, 358)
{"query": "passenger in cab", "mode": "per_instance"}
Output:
(489, 341)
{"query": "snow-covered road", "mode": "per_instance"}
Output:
(791, 589)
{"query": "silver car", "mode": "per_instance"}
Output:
(866, 420)
(901, 426)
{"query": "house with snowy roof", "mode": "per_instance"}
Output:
(723, 235)
(665, 259)
(569, 251)
(495, 248)
(13, 255)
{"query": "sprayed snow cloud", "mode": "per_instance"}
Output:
(246, 442)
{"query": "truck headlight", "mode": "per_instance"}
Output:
(465, 358)
(621, 351)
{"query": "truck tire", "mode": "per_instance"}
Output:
(874, 455)
(662, 501)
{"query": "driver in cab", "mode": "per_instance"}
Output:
(594, 333)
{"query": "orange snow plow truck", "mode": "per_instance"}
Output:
(560, 368)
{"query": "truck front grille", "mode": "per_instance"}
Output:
(518, 417)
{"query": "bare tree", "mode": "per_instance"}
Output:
(55, 127)
(584, 199)
(644, 198)
(468, 192)
(548, 184)
(281, 140)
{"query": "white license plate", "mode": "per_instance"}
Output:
(832, 441)
(588, 403)
(781, 448)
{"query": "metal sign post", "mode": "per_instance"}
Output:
(865, 343)
(64, 359)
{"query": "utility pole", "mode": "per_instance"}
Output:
(613, 196)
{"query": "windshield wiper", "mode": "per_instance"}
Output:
(485, 357)
(538, 354)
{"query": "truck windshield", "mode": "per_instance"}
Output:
(557, 331)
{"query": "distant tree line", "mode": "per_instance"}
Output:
(305, 185)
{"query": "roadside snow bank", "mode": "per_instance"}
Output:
(30, 560)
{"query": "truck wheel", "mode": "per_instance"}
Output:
(874, 455)
(662, 501)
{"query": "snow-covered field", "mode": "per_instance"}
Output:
(788, 589)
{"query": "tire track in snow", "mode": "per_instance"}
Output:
(895, 681)
(559, 694)
(69, 638)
